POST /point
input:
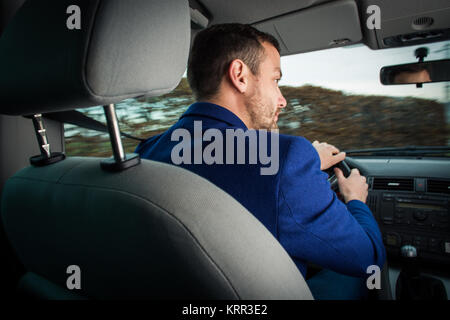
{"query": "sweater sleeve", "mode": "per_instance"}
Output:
(315, 226)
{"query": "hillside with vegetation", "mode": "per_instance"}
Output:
(347, 121)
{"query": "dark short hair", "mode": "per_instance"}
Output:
(216, 47)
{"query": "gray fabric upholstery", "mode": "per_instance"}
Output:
(125, 49)
(153, 231)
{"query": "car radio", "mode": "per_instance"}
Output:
(413, 219)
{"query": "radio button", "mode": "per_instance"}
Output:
(420, 215)
(420, 224)
(420, 185)
(443, 220)
(398, 214)
(443, 226)
(434, 245)
(442, 216)
(420, 242)
(447, 247)
(392, 239)
(406, 240)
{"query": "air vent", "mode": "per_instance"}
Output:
(439, 186)
(422, 23)
(393, 184)
(372, 203)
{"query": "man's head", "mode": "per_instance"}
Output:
(237, 66)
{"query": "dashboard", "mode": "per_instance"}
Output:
(410, 199)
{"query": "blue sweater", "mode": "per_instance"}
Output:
(296, 204)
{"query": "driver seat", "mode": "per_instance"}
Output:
(145, 230)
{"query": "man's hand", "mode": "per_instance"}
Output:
(354, 187)
(329, 154)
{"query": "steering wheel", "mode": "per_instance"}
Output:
(332, 179)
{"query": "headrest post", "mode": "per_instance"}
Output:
(41, 135)
(114, 132)
(120, 161)
(46, 157)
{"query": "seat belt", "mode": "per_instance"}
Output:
(79, 119)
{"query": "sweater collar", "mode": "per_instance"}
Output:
(214, 111)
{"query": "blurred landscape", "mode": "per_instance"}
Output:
(346, 121)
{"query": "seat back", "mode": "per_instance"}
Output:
(152, 231)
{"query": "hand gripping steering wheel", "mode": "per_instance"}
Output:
(332, 176)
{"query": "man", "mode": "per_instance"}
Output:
(412, 76)
(234, 71)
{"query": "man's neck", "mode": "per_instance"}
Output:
(234, 106)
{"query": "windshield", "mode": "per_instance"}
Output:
(333, 95)
(336, 96)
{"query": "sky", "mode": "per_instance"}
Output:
(356, 69)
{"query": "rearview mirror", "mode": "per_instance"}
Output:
(420, 72)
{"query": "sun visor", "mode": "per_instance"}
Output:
(67, 54)
(328, 25)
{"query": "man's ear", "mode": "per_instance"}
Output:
(238, 75)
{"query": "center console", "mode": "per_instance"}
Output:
(415, 217)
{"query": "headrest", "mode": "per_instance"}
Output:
(67, 54)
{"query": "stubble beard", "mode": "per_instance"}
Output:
(261, 115)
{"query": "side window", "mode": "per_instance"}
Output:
(143, 118)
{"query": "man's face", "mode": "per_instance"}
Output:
(265, 101)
